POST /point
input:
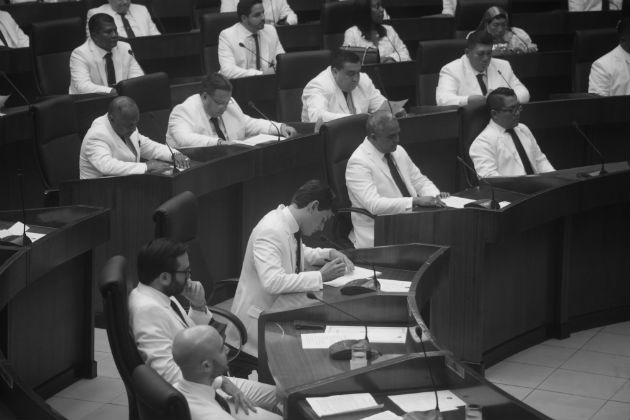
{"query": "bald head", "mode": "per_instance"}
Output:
(383, 131)
(199, 353)
(123, 115)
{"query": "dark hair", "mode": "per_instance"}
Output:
(622, 26)
(213, 82)
(495, 98)
(244, 7)
(494, 12)
(97, 21)
(481, 37)
(157, 257)
(363, 19)
(341, 56)
(311, 191)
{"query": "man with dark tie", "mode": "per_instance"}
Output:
(131, 20)
(102, 60)
(249, 47)
(506, 147)
(382, 179)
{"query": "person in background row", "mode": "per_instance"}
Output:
(11, 35)
(506, 39)
(131, 20)
(594, 5)
(448, 7)
(610, 74)
(277, 12)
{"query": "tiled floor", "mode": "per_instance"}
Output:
(583, 377)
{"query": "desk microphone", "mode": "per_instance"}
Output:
(259, 112)
(26, 241)
(504, 79)
(15, 88)
(377, 73)
(603, 170)
(271, 63)
(483, 203)
(154, 123)
(342, 350)
(435, 413)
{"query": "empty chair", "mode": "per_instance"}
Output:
(335, 19)
(469, 12)
(430, 58)
(473, 120)
(173, 16)
(211, 26)
(300, 37)
(156, 398)
(588, 46)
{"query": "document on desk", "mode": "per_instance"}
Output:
(16, 230)
(456, 202)
(358, 273)
(341, 404)
(422, 401)
(335, 333)
(384, 415)
(261, 138)
(394, 286)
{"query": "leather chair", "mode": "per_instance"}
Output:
(295, 70)
(430, 58)
(173, 16)
(211, 26)
(301, 37)
(469, 12)
(152, 93)
(52, 43)
(335, 19)
(588, 46)
(57, 142)
(529, 6)
(473, 119)
(156, 398)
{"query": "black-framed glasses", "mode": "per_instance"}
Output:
(188, 272)
(514, 110)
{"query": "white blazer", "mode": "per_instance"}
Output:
(236, 61)
(275, 10)
(87, 67)
(104, 153)
(458, 81)
(322, 98)
(389, 46)
(269, 271)
(592, 5)
(138, 16)
(610, 74)
(494, 154)
(448, 7)
(371, 187)
(12, 32)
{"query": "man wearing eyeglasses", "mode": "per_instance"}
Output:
(506, 147)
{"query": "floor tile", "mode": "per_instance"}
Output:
(101, 343)
(543, 355)
(609, 343)
(575, 341)
(613, 410)
(121, 400)
(583, 384)
(73, 409)
(623, 395)
(562, 406)
(518, 374)
(516, 391)
(108, 412)
(622, 328)
(600, 363)
(99, 389)
(107, 368)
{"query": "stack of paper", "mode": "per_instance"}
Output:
(423, 401)
(394, 286)
(16, 230)
(333, 334)
(358, 273)
(340, 404)
(384, 415)
(261, 138)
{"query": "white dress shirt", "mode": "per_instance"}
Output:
(448, 7)
(371, 187)
(458, 81)
(610, 74)
(12, 32)
(275, 10)
(322, 98)
(88, 73)
(236, 61)
(138, 16)
(592, 5)
(494, 154)
(389, 46)
(190, 126)
(269, 269)
(104, 153)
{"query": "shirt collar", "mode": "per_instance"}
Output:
(472, 69)
(246, 31)
(292, 223)
(373, 150)
(155, 294)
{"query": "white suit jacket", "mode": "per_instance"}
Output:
(87, 67)
(371, 187)
(322, 98)
(592, 5)
(236, 61)
(104, 153)
(389, 46)
(138, 16)
(190, 126)
(275, 10)
(458, 81)
(610, 74)
(269, 271)
(494, 154)
(12, 32)
(448, 7)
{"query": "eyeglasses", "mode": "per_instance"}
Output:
(217, 103)
(514, 110)
(188, 272)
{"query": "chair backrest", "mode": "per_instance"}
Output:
(173, 16)
(468, 14)
(57, 142)
(430, 58)
(473, 119)
(115, 290)
(536, 6)
(51, 44)
(425, 28)
(301, 37)
(152, 93)
(156, 399)
(588, 46)
(335, 19)
(211, 26)
(547, 30)
(294, 71)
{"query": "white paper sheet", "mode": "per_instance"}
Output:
(375, 334)
(385, 415)
(358, 273)
(423, 401)
(261, 138)
(394, 286)
(456, 202)
(337, 404)
(322, 340)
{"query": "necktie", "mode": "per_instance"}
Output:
(482, 84)
(222, 402)
(3, 39)
(127, 26)
(109, 69)
(521, 151)
(179, 313)
(350, 103)
(217, 128)
(396, 175)
(298, 250)
(255, 36)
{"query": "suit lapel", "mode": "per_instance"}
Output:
(99, 61)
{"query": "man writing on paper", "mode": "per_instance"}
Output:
(505, 147)
(276, 261)
(213, 118)
(382, 179)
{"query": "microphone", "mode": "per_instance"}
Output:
(154, 123)
(15, 88)
(435, 413)
(342, 350)
(483, 203)
(603, 170)
(504, 79)
(271, 63)
(259, 112)
(377, 73)
(26, 241)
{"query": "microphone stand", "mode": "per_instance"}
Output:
(603, 170)
(259, 112)
(483, 203)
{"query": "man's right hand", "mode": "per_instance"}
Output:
(333, 269)
(158, 166)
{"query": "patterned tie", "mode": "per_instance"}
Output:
(217, 128)
(521, 151)
(3, 39)
(109, 68)
(179, 313)
(255, 36)
(298, 251)
(482, 84)
(396, 175)
(127, 26)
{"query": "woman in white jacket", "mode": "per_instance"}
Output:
(507, 40)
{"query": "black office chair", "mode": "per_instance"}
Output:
(301, 37)
(588, 46)
(335, 19)
(430, 58)
(173, 16)
(211, 26)
(473, 119)
(156, 399)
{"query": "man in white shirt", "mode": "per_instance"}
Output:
(449, 7)
(113, 146)
(156, 317)
(102, 61)
(277, 12)
(276, 261)
(132, 20)
(249, 47)
(382, 179)
(593, 5)
(505, 147)
(213, 118)
(610, 74)
(200, 353)
(11, 35)
(471, 77)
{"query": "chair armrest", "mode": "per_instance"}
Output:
(233, 319)
(356, 210)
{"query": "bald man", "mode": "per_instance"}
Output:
(113, 146)
(201, 355)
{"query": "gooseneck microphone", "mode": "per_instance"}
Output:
(271, 63)
(134, 57)
(354, 287)
(26, 241)
(603, 170)
(419, 331)
(504, 79)
(154, 123)
(259, 112)
(484, 203)
(15, 88)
